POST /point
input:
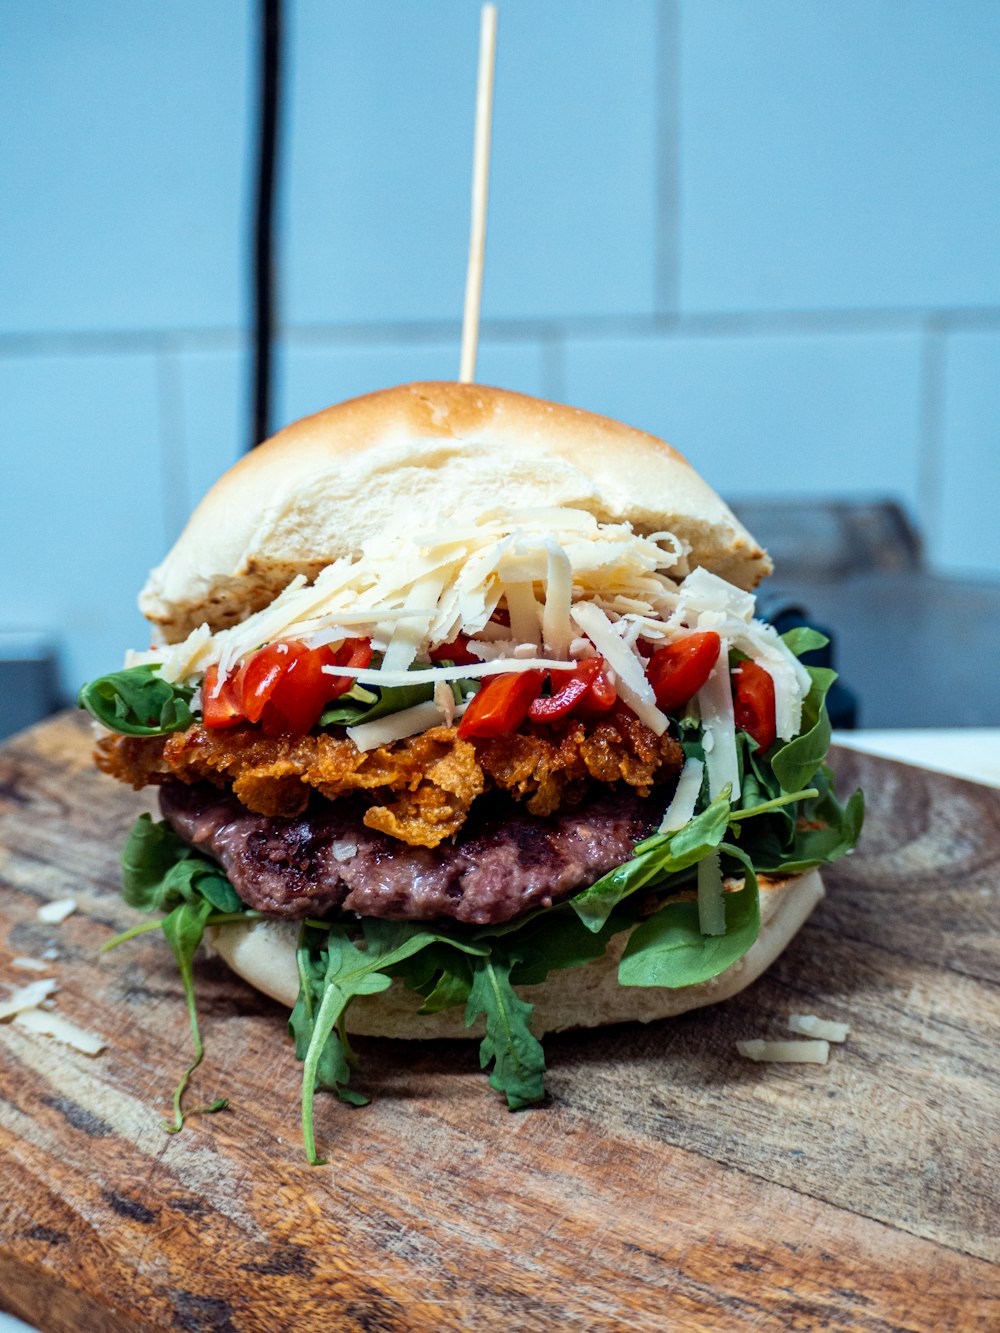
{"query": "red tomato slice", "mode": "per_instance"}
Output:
(457, 651)
(587, 689)
(753, 703)
(603, 693)
(501, 705)
(678, 671)
(220, 709)
(566, 696)
(351, 653)
(299, 696)
(284, 688)
(260, 674)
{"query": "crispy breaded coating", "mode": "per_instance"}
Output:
(420, 789)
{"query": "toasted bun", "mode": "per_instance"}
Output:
(263, 953)
(405, 458)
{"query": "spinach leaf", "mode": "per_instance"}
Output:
(510, 1045)
(349, 708)
(660, 856)
(669, 949)
(795, 763)
(137, 702)
(804, 639)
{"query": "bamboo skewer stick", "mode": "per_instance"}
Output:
(480, 193)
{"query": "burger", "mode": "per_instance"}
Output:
(463, 723)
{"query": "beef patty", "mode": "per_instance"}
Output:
(503, 862)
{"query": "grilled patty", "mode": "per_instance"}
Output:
(503, 862)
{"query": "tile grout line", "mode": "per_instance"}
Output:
(930, 437)
(787, 323)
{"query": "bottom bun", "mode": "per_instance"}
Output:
(263, 953)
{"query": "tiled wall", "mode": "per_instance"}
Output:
(766, 229)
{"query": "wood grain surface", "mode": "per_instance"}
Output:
(667, 1185)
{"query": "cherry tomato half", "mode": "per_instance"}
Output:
(587, 689)
(501, 705)
(351, 653)
(259, 675)
(457, 651)
(284, 688)
(219, 708)
(678, 671)
(753, 703)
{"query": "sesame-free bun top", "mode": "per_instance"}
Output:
(405, 459)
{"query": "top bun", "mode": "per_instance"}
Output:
(405, 459)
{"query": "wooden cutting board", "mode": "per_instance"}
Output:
(668, 1185)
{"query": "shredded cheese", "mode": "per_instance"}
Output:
(811, 1026)
(633, 686)
(711, 896)
(61, 1029)
(681, 808)
(397, 726)
(55, 912)
(715, 700)
(27, 997)
(29, 964)
(785, 1052)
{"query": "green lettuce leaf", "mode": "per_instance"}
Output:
(797, 760)
(136, 702)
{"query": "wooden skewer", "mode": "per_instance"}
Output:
(480, 193)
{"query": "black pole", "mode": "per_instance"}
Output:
(269, 90)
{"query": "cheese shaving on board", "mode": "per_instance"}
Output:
(811, 1026)
(55, 912)
(785, 1052)
(61, 1029)
(27, 997)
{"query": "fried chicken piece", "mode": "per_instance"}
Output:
(549, 766)
(420, 788)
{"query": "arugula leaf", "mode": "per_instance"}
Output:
(159, 871)
(510, 1045)
(184, 928)
(669, 949)
(660, 856)
(138, 702)
(837, 829)
(333, 972)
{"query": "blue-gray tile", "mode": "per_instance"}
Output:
(758, 416)
(210, 414)
(839, 155)
(81, 518)
(380, 144)
(314, 377)
(125, 164)
(969, 461)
